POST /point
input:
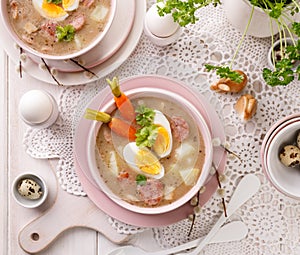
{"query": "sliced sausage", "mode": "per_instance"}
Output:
(180, 128)
(78, 22)
(50, 28)
(88, 3)
(151, 192)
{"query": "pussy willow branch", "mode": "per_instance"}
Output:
(83, 67)
(20, 63)
(220, 186)
(194, 215)
(53, 77)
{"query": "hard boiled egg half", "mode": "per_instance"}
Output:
(163, 143)
(52, 11)
(142, 160)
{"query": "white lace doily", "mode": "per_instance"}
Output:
(273, 219)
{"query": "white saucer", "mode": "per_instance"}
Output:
(102, 69)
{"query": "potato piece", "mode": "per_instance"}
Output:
(99, 13)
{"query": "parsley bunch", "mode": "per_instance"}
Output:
(286, 68)
(183, 12)
(147, 134)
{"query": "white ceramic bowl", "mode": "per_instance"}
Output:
(26, 47)
(285, 179)
(29, 203)
(203, 129)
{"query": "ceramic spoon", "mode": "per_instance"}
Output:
(233, 231)
(247, 187)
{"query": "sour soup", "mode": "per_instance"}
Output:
(61, 27)
(182, 167)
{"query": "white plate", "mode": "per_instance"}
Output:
(112, 41)
(79, 78)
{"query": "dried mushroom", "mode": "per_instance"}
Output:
(290, 155)
(227, 85)
(246, 106)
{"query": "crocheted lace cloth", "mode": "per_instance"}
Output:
(272, 218)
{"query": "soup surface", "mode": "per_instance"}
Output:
(61, 27)
(182, 167)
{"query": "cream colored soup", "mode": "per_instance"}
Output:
(39, 33)
(182, 167)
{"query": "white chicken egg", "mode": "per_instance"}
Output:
(161, 26)
(50, 11)
(70, 5)
(143, 161)
(163, 143)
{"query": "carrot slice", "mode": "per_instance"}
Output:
(122, 101)
(118, 126)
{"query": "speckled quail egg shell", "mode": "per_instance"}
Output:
(30, 189)
(130, 153)
(161, 120)
(290, 155)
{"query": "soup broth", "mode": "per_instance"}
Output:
(182, 166)
(39, 33)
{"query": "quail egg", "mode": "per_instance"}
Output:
(142, 160)
(290, 155)
(30, 189)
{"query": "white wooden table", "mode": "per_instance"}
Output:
(14, 161)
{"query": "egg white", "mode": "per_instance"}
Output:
(70, 5)
(43, 8)
(130, 151)
(161, 120)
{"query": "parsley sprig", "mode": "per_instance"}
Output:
(54, 1)
(147, 134)
(226, 72)
(183, 12)
(65, 33)
(288, 67)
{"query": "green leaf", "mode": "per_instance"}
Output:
(65, 33)
(226, 72)
(145, 115)
(54, 1)
(296, 28)
(141, 179)
(146, 136)
(278, 77)
(183, 12)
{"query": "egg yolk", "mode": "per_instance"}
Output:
(69, 4)
(162, 141)
(147, 162)
(53, 10)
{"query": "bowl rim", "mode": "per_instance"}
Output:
(27, 48)
(26, 202)
(280, 131)
(203, 128)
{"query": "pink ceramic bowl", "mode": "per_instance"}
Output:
(203, 129)
(27, 48)
(284, 179)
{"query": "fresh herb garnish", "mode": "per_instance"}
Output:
(65, 33)
(146, 136)
(145, 115)
(54, 1)
(141, 179)
(183, 12)
(226, 72)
